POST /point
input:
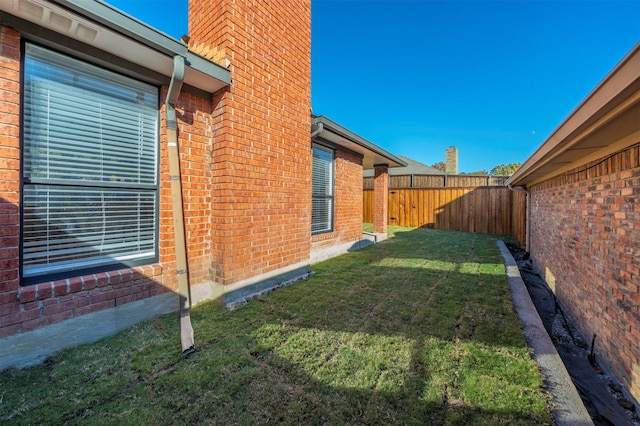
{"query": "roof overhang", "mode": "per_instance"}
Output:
(605, 122)
(108, 29)
(330, 131)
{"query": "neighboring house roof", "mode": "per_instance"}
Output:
(110, 30)
(605, 122)
(412, 168)
(330, 131)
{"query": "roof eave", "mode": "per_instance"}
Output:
(102, 26)
(615, 95)
(372, 154)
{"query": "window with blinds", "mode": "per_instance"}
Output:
(322, 183)
(89, 168)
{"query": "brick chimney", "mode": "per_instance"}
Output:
(260, 192)
(452, 161)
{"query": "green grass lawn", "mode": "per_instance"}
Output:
(419, 329)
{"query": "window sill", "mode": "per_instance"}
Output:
(324, 236)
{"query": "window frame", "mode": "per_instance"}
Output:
(82, 266)
(327, 197)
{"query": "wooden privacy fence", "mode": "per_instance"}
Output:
(492, 210)
(438, 181)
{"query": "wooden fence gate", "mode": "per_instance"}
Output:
(492, 210)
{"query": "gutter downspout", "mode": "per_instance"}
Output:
(186, 330)
(318, 130)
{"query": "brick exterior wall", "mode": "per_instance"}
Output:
(10, 309)
(245, 161)
(30, 307)
(246, 171)
(585, 240)
(347, 203)
(380, 199)
(196, 126)
(261, 157)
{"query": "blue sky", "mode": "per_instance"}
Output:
(493, 78)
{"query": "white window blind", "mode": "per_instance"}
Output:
(90, 160)
(322, 184)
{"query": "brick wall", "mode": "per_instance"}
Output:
(245, 161)
(27, 308)
(196, 127)
(261, 155)
(585, 239)
(10, 310)
(380, 199)
(348, 203)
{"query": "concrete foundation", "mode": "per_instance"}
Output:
(238, 294)
(33, 347)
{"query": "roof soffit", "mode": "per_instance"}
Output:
(341, 136)
(110, 30)
(607, 120)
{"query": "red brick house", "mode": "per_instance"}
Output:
(351, 154)
(583, 187)
(87, 242)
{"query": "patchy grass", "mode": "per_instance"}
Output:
(419, 329)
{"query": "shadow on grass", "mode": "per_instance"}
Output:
(424, 283)
(419, 329)
(261, 387)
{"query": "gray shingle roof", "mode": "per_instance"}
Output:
(413, 168)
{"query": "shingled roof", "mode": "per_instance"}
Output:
(413, 168)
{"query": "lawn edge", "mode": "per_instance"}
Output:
(568, 408)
